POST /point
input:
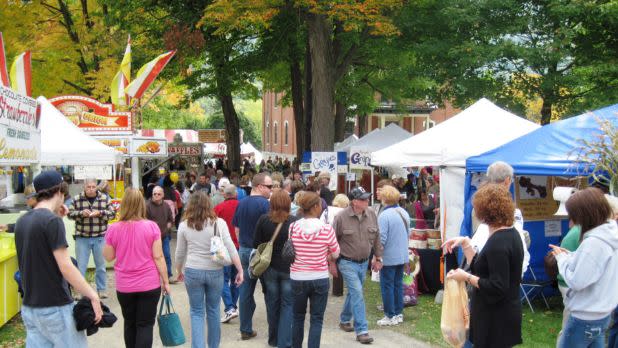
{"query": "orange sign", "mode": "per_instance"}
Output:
(211, 135)
(92, 116)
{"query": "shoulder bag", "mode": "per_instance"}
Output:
(220, 254)
(260, 261)
(288, 254)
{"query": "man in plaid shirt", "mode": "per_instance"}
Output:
(91, 211)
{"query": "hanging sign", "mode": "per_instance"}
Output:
(92, 172)
(185, 149)
(92, 116)
(120, 144)
(148, 147)
(20, 135)
(360, 158)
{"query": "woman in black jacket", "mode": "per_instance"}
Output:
(276, 279)
(495, 307)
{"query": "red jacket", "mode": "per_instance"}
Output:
(226, 210)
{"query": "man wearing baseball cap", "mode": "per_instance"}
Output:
(357, 232)
(45, 267)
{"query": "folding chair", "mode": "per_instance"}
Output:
(531, 288)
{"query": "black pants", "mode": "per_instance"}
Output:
(139, 310)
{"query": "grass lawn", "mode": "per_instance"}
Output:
(13, 333)
(539, 329)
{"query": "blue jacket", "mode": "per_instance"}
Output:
(394, 235)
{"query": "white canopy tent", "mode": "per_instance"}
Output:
(481, 127)
(379, 138)
(63, 143)
(347, 141)
(248, 149)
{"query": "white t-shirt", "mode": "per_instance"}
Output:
(482, 234)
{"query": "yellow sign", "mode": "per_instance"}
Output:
(9, 153)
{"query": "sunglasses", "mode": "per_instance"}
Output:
(157, 194)
(270, 187)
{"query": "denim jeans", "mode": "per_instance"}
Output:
(584, 333)
(204, 289)
(230, 290)
(279, 300)
(52, 327)
(613, 331)
(83, 246)
(391, 285)
(167, 254)
(354, 275)
(246, 302)
(316, 291)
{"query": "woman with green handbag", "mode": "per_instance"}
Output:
(140, 270)
(202, 271)
(276, 279)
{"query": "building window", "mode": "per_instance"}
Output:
(276, 99)
(276, 133)
(285, 133)
(267, 132)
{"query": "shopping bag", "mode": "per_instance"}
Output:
(455, 315)
(170, 328)
(219, 252)
(375, 276)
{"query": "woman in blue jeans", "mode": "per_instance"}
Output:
(314, 243)
(202, 276)
(278, 287)
(590, 272)
(394, 225)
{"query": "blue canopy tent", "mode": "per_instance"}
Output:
(548, 151)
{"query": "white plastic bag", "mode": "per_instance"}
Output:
(455, 314)
(375, 276)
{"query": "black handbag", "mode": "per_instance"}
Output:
(288, 254)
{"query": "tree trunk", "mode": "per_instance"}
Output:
(297, 106)
(232, 132)
(362, 125)
(340, 118)
(308, 101)
(319, 30)
(546, 111)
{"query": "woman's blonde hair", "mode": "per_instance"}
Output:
(133, 206)
(341, 201)
(199, 210)
(389, 195)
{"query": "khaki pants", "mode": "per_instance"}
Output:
(565, 312)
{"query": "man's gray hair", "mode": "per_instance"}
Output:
(286, 183)
(89, 181)
(230, 190)
(498, 172)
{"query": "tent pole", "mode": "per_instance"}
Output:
(372, 200)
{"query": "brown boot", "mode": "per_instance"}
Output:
(364, 338)
(247, 335)
(347, 327)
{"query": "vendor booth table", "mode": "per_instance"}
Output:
(541, 159)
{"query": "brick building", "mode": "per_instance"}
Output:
(279, 132)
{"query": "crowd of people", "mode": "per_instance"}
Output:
(330, 237)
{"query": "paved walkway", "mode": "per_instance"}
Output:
(230, 335)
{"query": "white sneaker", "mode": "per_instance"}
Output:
(229, 315)
(398, 318)
(386, 321)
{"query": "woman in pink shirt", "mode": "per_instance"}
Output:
(314, 244)
(135, 243)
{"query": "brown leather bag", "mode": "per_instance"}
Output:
(551, 265)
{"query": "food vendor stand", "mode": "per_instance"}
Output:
(20, 152)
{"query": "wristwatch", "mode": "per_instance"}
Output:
(379, 259)
(468, 278)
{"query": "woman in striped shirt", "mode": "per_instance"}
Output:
(314, 243)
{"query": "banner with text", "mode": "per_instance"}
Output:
(360, 158)
(20, 135)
